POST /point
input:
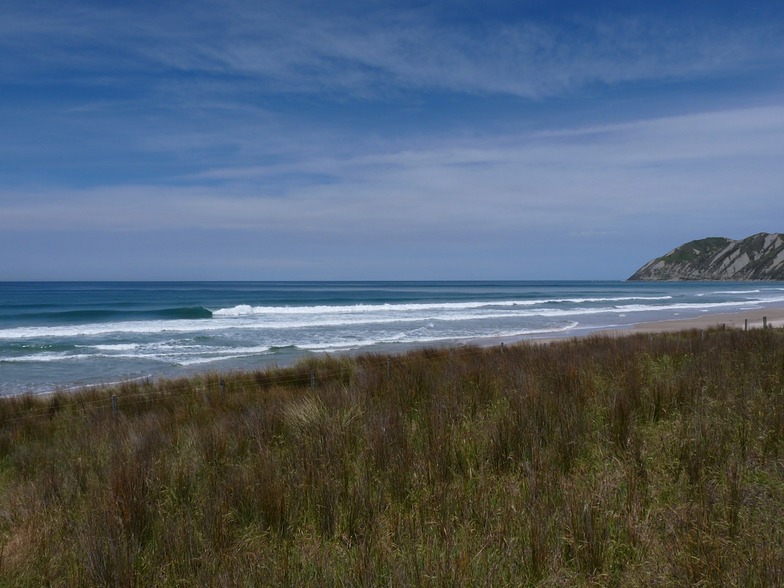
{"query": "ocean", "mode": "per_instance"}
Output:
(65, 335)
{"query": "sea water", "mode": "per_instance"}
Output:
(65, 335)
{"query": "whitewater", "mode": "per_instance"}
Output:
(67, 335)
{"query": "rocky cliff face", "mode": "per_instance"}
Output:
(759, 257)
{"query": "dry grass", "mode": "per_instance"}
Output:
(644, 460)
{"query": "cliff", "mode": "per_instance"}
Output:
(759, 257)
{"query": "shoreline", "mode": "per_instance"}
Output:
(753, 319)
(773, 316)
(733, 320)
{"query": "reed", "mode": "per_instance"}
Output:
(604, 461)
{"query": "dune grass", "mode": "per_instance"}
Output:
(633, 461)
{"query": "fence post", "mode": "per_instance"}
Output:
(312, 379)
(389, 369)
(114, 406)
(746, 324)
(223, 389)
(764, 322)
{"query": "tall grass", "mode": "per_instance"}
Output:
(605, 461)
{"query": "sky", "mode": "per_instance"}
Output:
(383, 140)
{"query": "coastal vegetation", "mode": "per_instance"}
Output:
(632, 461)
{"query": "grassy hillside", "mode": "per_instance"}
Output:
(697, 250)
(632, 461)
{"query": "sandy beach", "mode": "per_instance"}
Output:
(735, 320)
(751, 319)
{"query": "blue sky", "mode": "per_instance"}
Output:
(383, 140)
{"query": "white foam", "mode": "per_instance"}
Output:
(189, 354)
(420, 338)
(339, 345)
(46, 357)
(342, 317)
(735, 292)
(116, 347)
(204, 360)
(767, 300)
(247, 317)
(244, 310)
(240, 310)
(102, 329)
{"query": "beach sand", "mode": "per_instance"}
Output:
(773, 317)
(751, 319)
(734, 320)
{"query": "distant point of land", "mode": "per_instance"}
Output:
(759, 257)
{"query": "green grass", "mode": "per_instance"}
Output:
(636, 461)
(702, 249)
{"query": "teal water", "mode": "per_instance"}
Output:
(65, 335)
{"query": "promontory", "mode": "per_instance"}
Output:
(759, 257)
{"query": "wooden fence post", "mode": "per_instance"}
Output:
(114, 406)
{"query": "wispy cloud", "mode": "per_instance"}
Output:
(293, 47)
(333, 125)
(657, 170)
